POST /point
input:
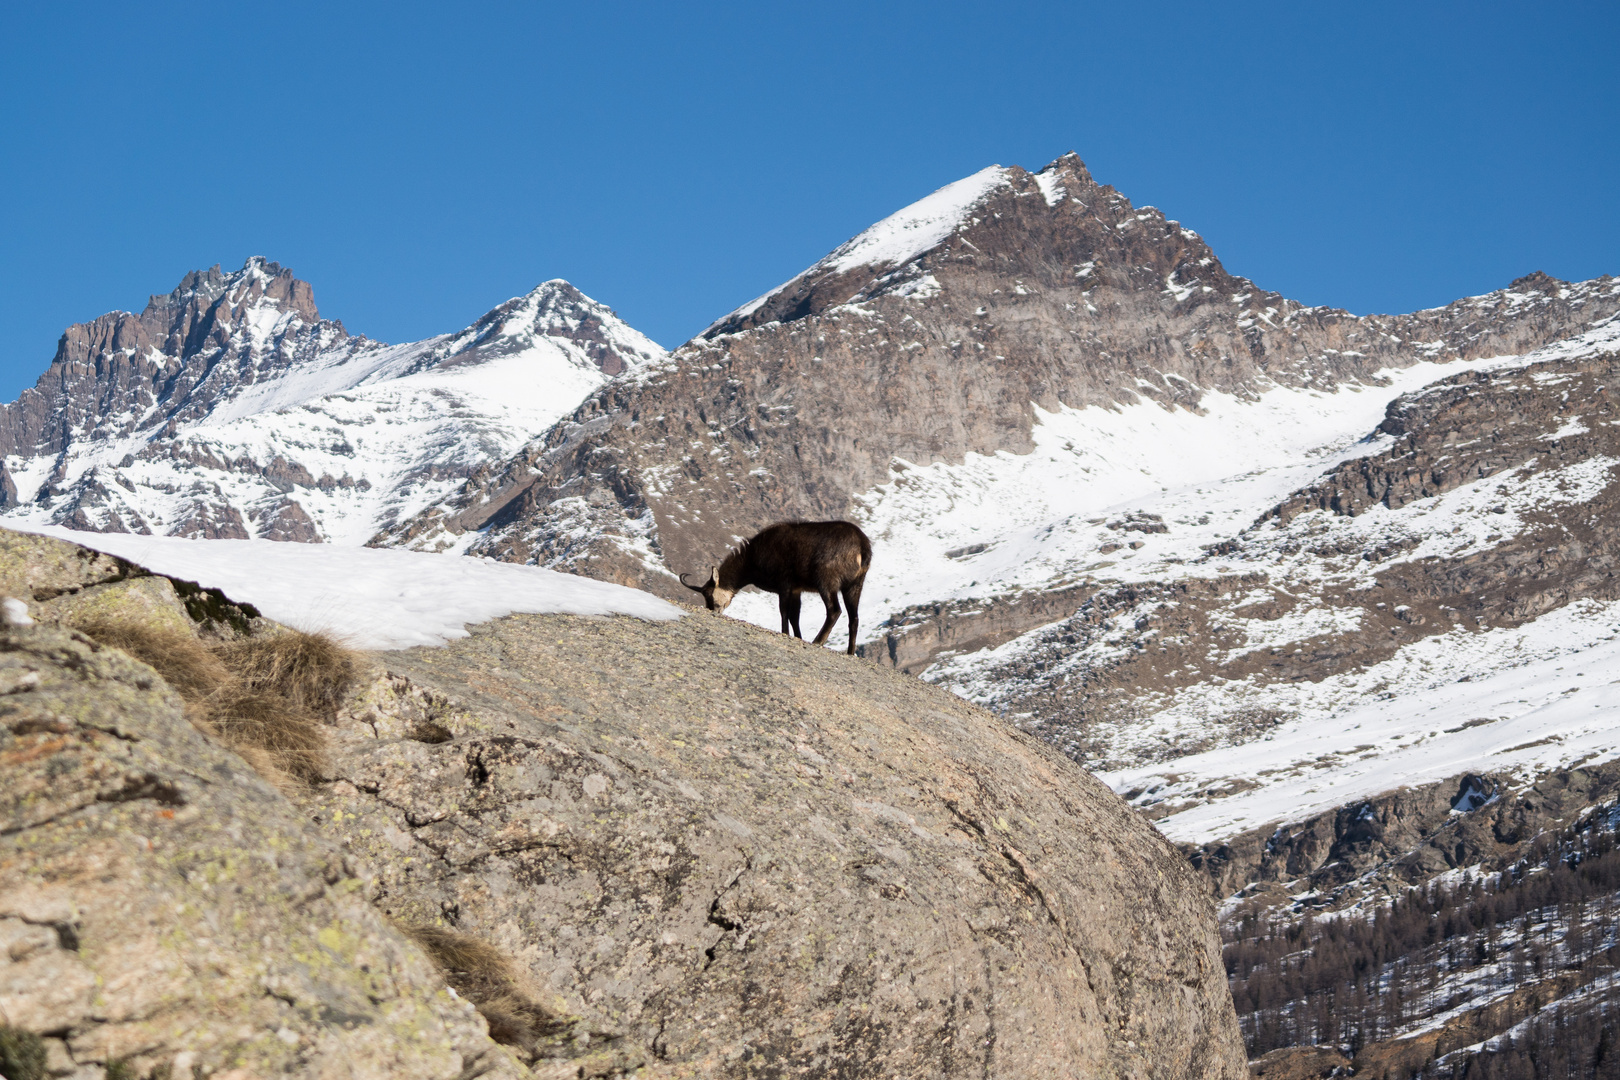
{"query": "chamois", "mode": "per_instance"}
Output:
(793, 557)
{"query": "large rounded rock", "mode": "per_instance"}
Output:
(727, 853)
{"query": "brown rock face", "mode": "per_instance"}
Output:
(1054, 291)
(730, 854)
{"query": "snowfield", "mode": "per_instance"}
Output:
(1519, 701)
(370, 598)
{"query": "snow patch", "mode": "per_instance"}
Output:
(1051, 185)
(900, 237)
(906, 234)
(371, 598)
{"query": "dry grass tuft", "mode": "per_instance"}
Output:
(310, 670)
(22, 1055)
(265, 698)
(185, 663)
(276, 726)
(484, 976)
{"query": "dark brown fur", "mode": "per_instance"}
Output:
(790, 558)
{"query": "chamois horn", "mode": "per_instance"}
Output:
(714, 576)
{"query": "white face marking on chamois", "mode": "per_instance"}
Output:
(722, 598)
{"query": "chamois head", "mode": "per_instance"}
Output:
(715, 598)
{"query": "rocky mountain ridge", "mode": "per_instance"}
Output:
(229, 408)
(1043, 292)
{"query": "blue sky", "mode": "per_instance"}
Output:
(420, 163)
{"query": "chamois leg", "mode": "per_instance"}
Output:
(830, 598)
(788, 604)
(852, 600)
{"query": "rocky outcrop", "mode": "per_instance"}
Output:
(912, 639)
(170, 362)
(727, 853)
(162, 908)
(1404, 837)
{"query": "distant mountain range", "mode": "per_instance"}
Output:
(1331, 597)
(229, 408)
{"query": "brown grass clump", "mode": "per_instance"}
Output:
(185, 663)
(22, 1055)
(265, 698)
(485, 976)
(310, 670)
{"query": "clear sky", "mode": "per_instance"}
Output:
(419, 163)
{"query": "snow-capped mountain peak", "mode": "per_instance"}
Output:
(896, 240)
(907, 233)
(556, 310)
(229, 408)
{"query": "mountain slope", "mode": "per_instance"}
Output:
(1038, 294)
(230, 409)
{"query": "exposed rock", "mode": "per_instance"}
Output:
(915, 637)
(38, 568)
(731, 854)
(163, 907)
(179, 354)
(148, 599)
(287, 521)
(1300, 1063)
(1403, 837)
